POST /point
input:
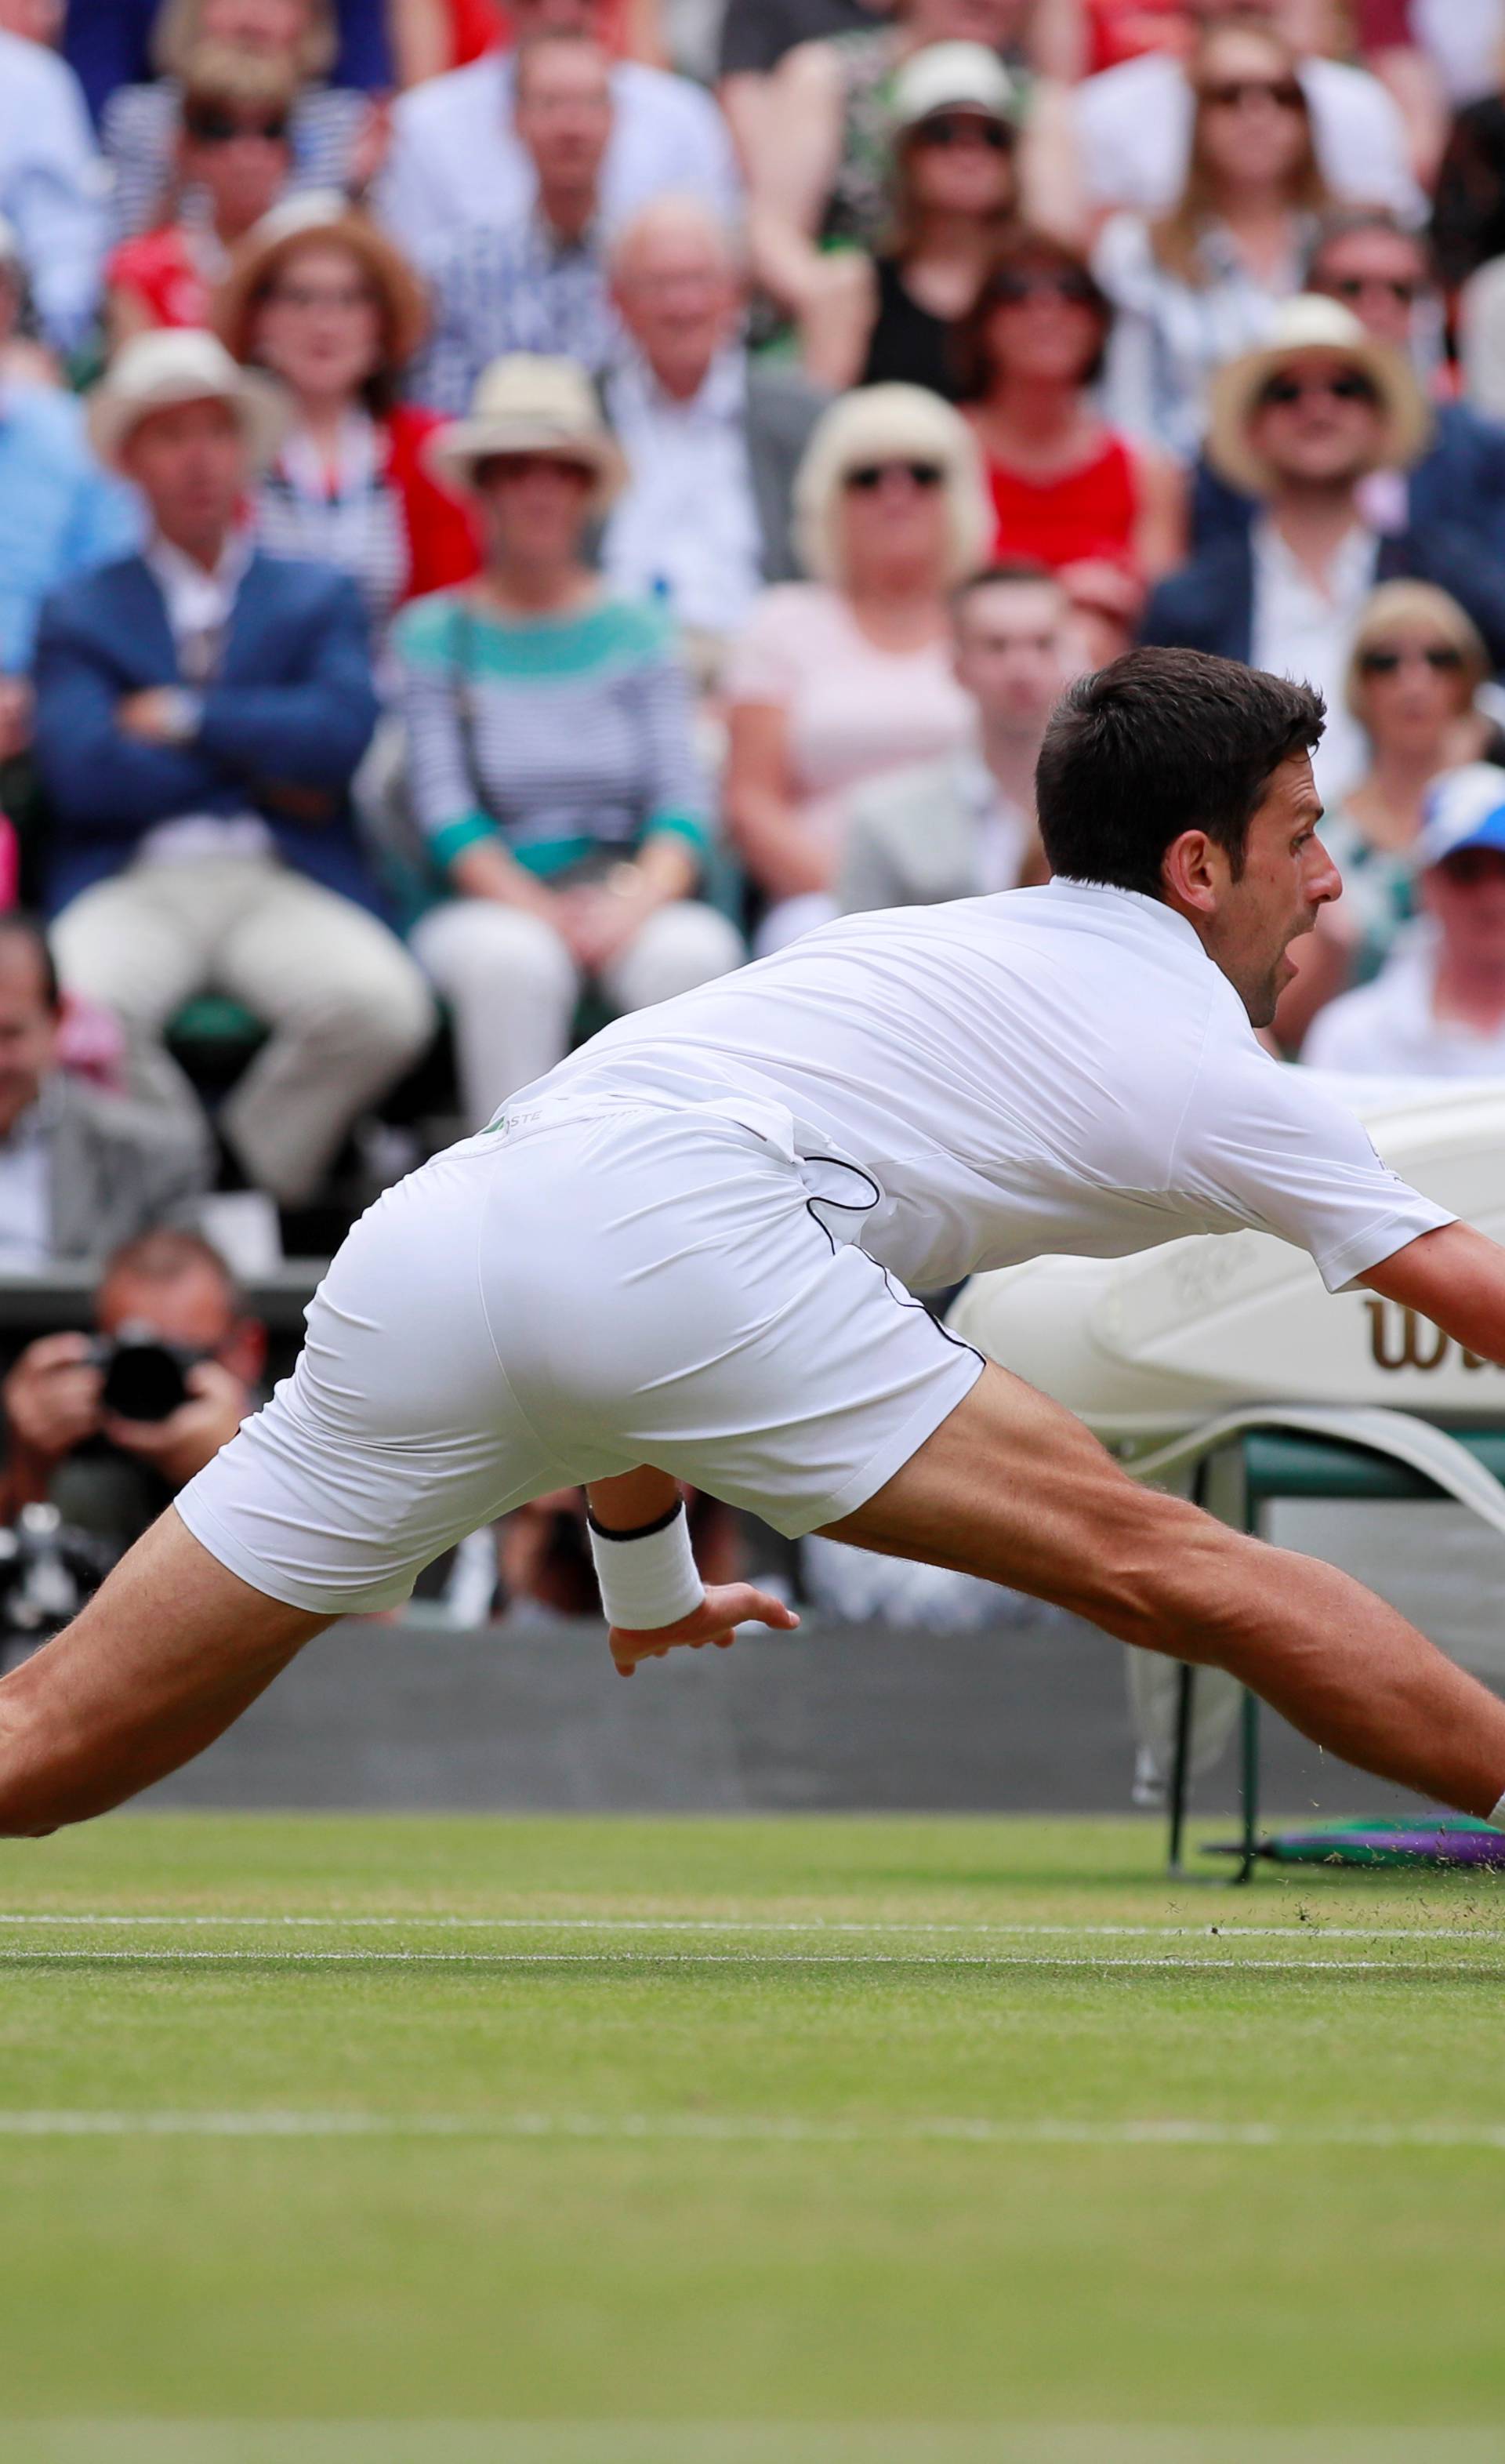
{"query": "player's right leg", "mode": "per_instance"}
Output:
(1012, 1487)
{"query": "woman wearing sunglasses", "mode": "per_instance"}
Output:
(1067, 488)
(1416, 666)
(955, 193)
(844, 677)
(233, 153)
(1202, 283)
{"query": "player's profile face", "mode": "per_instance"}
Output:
(1288, 877)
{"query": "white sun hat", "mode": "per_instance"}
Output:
(527, 403)
(160, 369)
(953, 76)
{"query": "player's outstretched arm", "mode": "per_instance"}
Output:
(1455, 1276)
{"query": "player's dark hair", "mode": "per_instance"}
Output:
(1159, 743)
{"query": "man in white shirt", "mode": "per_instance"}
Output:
(1133, 125)
(965, 826)
(1437, 1008)
(678, 1257)
(713, 438)
(456, 158)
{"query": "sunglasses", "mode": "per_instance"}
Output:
(1284, 93)
(869, 476)
(943, 129)
(1076, 290)
(1353, 286)
(1281, 394)
(1444, 658)
(222, 127)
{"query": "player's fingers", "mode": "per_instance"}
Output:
(748, 1606)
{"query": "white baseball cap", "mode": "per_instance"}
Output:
(953, 76)
(1465, 809)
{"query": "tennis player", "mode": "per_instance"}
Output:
(688, 1254)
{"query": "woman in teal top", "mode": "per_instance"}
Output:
(550, 757)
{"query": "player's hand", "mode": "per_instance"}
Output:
(724, 1607)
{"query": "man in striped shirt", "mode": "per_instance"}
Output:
(540, 282)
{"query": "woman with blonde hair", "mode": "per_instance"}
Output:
(1197, 287)
(335, 132)
(847, 675)
(1416, 666)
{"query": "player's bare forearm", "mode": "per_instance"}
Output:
(1455, 1276)
(633, 1497)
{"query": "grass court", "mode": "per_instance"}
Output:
(348, 2140)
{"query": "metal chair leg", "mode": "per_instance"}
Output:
(1181, 1761)
(1249, 1784)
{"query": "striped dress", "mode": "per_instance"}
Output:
(564, 737)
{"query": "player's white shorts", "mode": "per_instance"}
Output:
(582, 1292)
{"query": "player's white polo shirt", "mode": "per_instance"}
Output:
(1054, 1070)
(690, 1244)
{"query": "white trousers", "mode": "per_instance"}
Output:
(512, 986)
(347, 1009)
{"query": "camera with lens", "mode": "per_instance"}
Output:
(145, 1377)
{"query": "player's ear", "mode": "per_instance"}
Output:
(1190, 871)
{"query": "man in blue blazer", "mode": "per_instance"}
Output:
(201, 710)
(1297, 425)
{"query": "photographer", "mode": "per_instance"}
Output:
(109, 1427)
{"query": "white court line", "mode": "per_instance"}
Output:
(753, 2129)
(962, 1928)
(1091, 1963)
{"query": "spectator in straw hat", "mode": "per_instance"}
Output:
(321, 298)
(201, 710)
(553, 771)
(1299, 425)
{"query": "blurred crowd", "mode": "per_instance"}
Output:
(509, 508)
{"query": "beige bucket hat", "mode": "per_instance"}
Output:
(525, 403)
(171, 366)
(1301, 326)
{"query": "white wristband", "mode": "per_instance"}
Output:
(1497, 1816)
(647, 1579)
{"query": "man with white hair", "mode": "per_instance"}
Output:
(712, 439)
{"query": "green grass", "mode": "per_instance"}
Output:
(651, 2139)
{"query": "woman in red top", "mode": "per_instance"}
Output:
(321, 298)
(1067, 488)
